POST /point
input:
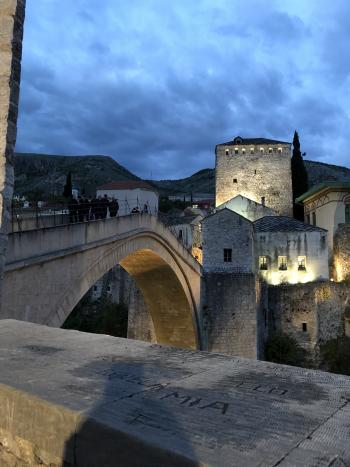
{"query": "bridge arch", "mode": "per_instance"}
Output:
(167, 275)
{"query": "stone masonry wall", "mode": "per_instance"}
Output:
(11, 36)
(255, 176)
(227, 229)
(320, 305)
(341, 254)
(232, 311)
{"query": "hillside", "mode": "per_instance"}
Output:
(204, 180)
(37, 174)
(43, 175)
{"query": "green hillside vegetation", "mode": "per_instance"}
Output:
(42, 176)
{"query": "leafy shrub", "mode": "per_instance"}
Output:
(281, 348)
(335, 355)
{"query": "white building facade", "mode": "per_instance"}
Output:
(132, 196)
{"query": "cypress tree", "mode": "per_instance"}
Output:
(67, 191)
(299, 178)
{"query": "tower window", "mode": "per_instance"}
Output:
(251, 150)
(227, 152)
(263, 263)
(243, 151)
(262, 150)
(255, 172)
(304, 327)
(301, 263)
(282, 263)
(228, 255)
(263, 200)
(280, 150)
(270, 150)
(313, 218)
(235, 180)
(236, 150)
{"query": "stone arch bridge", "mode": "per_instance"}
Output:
(49, 270)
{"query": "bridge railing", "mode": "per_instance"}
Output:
(42, 215)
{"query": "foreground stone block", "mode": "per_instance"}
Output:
(93, 400)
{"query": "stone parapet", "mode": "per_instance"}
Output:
(77, 399)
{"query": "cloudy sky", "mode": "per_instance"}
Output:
(157, 83)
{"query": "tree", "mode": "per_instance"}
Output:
(67, 191)
(299, 178)
(282, 348)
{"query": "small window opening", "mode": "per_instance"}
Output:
(228, 255)
(302, 263)
(227, 152)
(251, 150)
(254, 172)
(180, 234)
(313, 218)
(282, 263)
(280, 150)
(243, 151)
(109, 288)
(270, 150)
(235, 180)
(304, 327)
(263, 200)
(263, 263)
(95, 288)
(236, 150)
(262, 150)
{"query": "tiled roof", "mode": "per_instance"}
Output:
(252, 141)
(283, 224)
(323, 186)
(128, 185)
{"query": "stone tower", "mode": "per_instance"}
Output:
(257, 168)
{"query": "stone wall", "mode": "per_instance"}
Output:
(255, 176)
(341, 254)
(227, 230)
(320, 306)
(234, 314)
(11, 35)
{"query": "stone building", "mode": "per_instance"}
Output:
(257, 168)
(247, 208)
(277, 248)
(289, 252)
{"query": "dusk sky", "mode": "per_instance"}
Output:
(156, 84)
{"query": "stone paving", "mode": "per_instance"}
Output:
(94, 400)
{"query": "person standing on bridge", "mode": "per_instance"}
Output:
(113, 207)
(73, 210)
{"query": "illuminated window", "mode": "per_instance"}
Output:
(263, 263)
(243, 151)
(279, 150)
(235, 180)
(304, 326)
(313, 218)
(262, 150)
(270, 150)
(227, 152)
(347, 213)
(302, 263)
(228, 255)
(251, 150)
(236, 150)
(282, 263)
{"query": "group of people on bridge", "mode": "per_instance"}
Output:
(84, 209)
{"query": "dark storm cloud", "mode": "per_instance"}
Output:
(158, 84)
